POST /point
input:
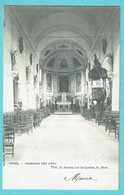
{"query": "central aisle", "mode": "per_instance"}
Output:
(67, 136)
(64, 140)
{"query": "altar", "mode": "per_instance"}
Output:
(64, 104)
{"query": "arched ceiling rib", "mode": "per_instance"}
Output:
(45, 24)
(35, 20)
(70, 28)
(72, 45)
(63, 61)
(31, 16)
(63, 56)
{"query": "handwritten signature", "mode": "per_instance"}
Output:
(78, 177)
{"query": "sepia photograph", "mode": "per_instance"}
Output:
(61, 75)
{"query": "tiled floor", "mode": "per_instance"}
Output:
(65, 140)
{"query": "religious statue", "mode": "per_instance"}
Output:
(13, 59)
(14, 70)
(35, 80)
(49, 82)
(63, 97)
(28, 73)
(78, 82)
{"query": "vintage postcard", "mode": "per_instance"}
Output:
(61, 92)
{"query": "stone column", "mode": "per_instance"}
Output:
(44, 88)
(55, 84)
(72, 83)
(115, 83)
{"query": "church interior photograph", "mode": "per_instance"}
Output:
(60, 93)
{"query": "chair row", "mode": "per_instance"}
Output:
(20, 122)
(24, 121)
(8, 141)
(110, 119)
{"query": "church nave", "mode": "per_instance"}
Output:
(60, 134)
(64, 140)
(61, 97)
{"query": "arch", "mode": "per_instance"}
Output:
(63, 27)
(74, 61)
(46, 11)
(73, 45)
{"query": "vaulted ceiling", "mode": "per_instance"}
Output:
(63, 36)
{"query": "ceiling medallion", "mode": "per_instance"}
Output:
(63, 46)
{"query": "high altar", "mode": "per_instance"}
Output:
(64, 104)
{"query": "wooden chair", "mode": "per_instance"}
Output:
(22, 123)
(8, 140)
(113, 123)
(39, 117)
(117, 127)
(35, 119)
(30, 121)
(42, 115)
(101, 119)
(106, 114)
